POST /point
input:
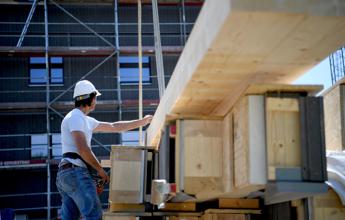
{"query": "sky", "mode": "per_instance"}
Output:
(320, 74)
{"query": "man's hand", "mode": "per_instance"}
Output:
(147, 119)
(103, 175)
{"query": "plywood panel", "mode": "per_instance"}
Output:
(283, 133)
(247, 42)
(333, 125)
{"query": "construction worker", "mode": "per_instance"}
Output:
(74, 179)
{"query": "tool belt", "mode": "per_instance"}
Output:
(92, 171)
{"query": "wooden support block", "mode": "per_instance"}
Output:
(334, 108)
(127, 176)
(125, 207)
(182, 218)
(249, 144)
(115, 217)
(180, 207)
(106, 163)
(228, 214)
(199, 157)
(327, 206)
(238, 203)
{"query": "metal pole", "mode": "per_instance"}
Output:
(47, 108)
(27, 23)
(117, 46)
(140, 74)
(158, 49)
(184, 22)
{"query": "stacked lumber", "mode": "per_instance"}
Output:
(273, 134)
(334, 105)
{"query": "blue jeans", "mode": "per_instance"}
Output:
(79, 196)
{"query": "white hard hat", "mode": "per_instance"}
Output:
(83, 88)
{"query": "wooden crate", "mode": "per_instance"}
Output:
(334, 100)
(127, 176)
(327, 207)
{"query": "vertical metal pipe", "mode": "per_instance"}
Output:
(47, 105)
(184, 22)
(140, 73)
(117, 47)
(158, 49)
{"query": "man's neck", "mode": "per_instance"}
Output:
(83, 110)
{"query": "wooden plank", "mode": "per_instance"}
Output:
(111, 217)
(249, 144)
(125, 207)
(328, 206)
(238, 203)
(106, 163)
(180, 207)
(182, 218)
(333, 103)
(246, 42)
(228, 154)
(232, 211)
(283, 133)
(224, 217)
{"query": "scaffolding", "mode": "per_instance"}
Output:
(112, 50)
(337, 65)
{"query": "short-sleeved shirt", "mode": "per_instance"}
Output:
(76, 120)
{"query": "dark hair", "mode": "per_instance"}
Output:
(84, 102)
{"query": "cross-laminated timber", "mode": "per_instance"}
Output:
(227, 157)
(334, 107)
(238, 42)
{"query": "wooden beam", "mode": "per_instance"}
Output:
(247, 42)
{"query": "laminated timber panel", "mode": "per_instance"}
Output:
(334, 108)
(199, 157)
(249, 144)
(126, 177)
(283, 134)
(246, 42)
(327, 207)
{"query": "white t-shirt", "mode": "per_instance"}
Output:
(76, 120)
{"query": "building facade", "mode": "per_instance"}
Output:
(30, 146)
